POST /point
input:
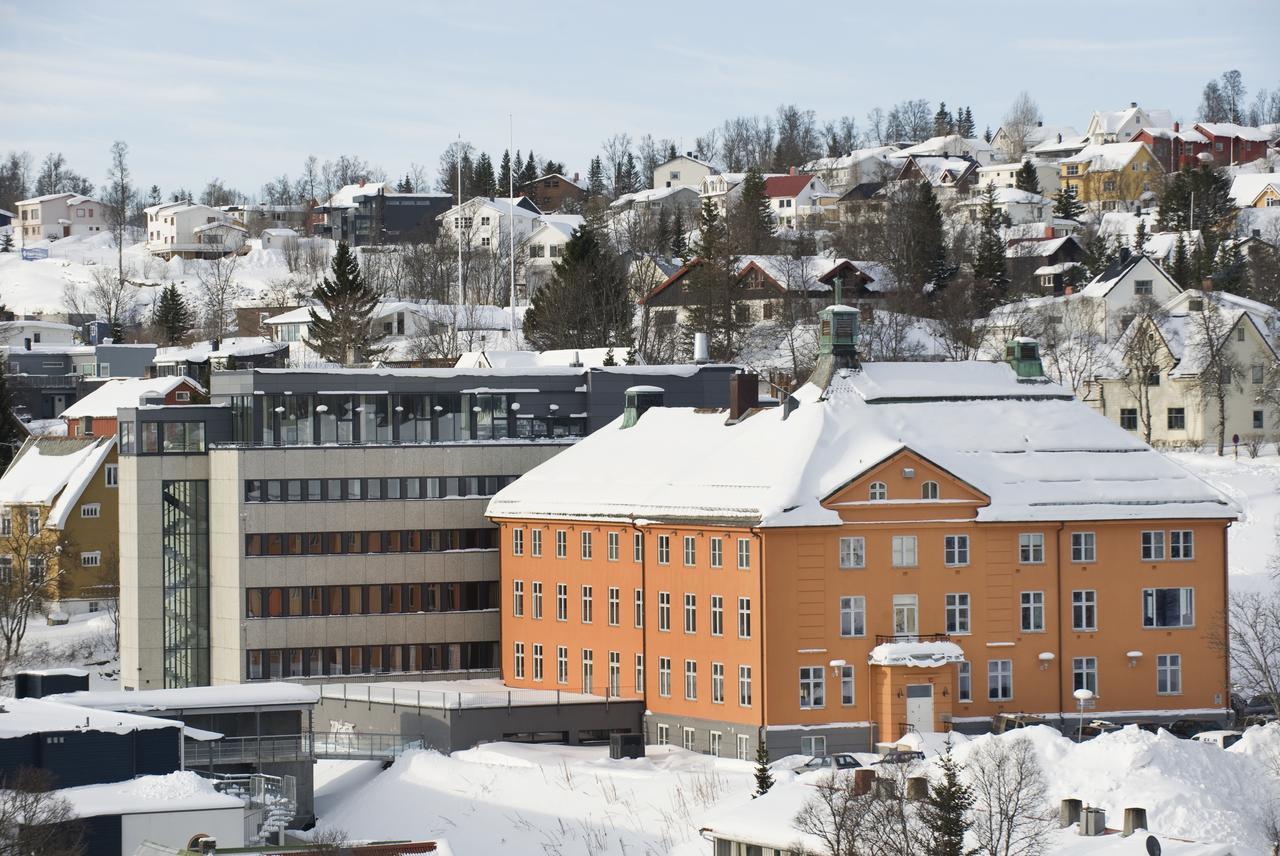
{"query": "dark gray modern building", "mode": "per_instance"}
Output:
(44, 380)
(379, 218)
(310, 524)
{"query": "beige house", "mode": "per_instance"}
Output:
(1171, 398)
(682, 171)
(58, 522)
(58, 215)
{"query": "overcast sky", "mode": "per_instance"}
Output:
(245, 91)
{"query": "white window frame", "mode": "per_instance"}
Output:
(91, 559)
(906, 606)
(664, 611)
(637, 609)
(664, 677)
(848, 688)
(537, 662)
(664, 549)
(517, 598)
(744, 686)
(717, 683)
(813, 687)
(690, 680)
(535, 543)
(91, 510)
(955, 550)
(744, 617)
(615, 606)
(717, 552)
(1152, 541)
(853, 552)
(690, 551)
(562, 544)
(958, 612)
(1086, 668)
(717, 615)
(111, 475)
(853, 616)
(1186, 611)
(1182, 545)
(518, 659)
(587, 606)
(585, 539)
(690, 613)
(536, 599)
(1031, 548)
(744, 554)
(517, 541)
(1031, 606)
(1084, 605)
(929, 490)
(612, 546)
(905, 551)
(562, 664)
(964, 681)
(1169, 674)
(877, 491)
(1084, 547)
(996, 671)
(562, 601)
(664, 734)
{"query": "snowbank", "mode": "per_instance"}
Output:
(180, 791)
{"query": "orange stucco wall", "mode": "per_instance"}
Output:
(796, 584)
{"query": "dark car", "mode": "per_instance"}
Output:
(1184, 728)
(838, 761)
(901, 756)
(1260, 705)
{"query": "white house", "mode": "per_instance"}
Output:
(190, 230)
(278, 239)
(795, 198)
(857, 167)
(1006, 174)
(1020, 206)
(59, 215)
(545, 245)
(1171, 399)
(1119, 126)
(14, 334)
(682, 171)
(484, 222)
(1003, 140)
(953, 145)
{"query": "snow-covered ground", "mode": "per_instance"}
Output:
(521, 799)
(86, 642)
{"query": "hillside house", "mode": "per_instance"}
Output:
(861, 165)
(949, 176)
(1006, 175)
(1112, 176)
(545, 246)
(952, 146)
(190, 231)
(1173, 147)
(1120, 126)
(797, 200)
(682, 171)
(1003, 141)
(1231, 144)
(486, 223)
(94, 415)
(551, 193)
(59, 215)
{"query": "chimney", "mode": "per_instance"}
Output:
(1133, 104)
(701, 349)
(1134, 819)
(688, 154)
(744, 394)
(213, 344)
(1125, 255)
(576, 362)
(575, 178)
(791, 171)
(1093, 821)
(1206, 284)
(1040, 124)
(1068, 813)
(1177, 127)
(1059, 138)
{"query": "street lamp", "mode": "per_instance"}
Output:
(1082, 696)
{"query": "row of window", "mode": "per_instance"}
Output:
(32, 519)
(586, 607)
(362, 543)
(955, 548)
(347, 490)
(161, 438)
(36, 567)
(613, 547)
(272, 663)
(715, 740)
(390, 599)
(1161, 608)
(1176, 418)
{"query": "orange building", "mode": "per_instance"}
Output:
(912, 546)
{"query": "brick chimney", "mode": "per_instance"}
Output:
(744, 394)
(792, 171)
(575, 178)
(1068, 290)
(1177, 126)
(1206, 284)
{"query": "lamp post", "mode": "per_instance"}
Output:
(1082, 696)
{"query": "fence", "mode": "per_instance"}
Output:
(413, 697)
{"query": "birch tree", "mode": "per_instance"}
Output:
(1221, 370)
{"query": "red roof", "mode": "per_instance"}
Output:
(786, 185)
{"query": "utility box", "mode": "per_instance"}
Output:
(38, 684)
(626, 746)
(1093, 821)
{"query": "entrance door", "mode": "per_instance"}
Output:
(920, 706)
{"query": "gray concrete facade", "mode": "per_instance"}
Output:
(741, 741)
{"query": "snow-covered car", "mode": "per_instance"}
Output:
(900, 756)
(1222, 738)
(1096, 728)
(1002, 722)
(838, 761)
(1184, 728)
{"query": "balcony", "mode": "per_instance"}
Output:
(912, 637)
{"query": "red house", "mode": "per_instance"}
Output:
(1233, 144)
(1174, 147)
(95, 414)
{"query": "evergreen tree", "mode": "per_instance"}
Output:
(346, 335)
(1230, 272)
(662, 233)
(586, 303)
(484, 181)
(750, 217)
(672, 153)
(989, 266)
(553, 168)
(468, 175)
(1066, 206)
(964, 123)
(1140, 236)
(945, 814)
(628, 178)
(595, 178)
(1180, 269)
(154, 197)
(1099, 254)
(529, 172)
(928, 268)
(504, 171)
(679, 241)
(1026, 178)
(11, 432)
(405, 185)
(1198, 198)
(986, 135)
(712, 288)
(943, 122)
(172, 315)
(6, 242)
(764, 779)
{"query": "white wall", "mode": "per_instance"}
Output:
(175, 829)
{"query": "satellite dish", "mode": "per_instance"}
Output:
(1153, 846)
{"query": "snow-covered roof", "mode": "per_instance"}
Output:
(942, 169)
(345, 197)
(32, 324)
(48, 197)
(1038, 249)
(1183, 136)
(280, 233)
(562, 224)
(587, 357)
(921, 654)
(454, 694)
(1008, 196)
(1106, 156)
(650, 195)
(1053, 144)
(199, 352)
(504, 205)
(948, 144)
(1035, 452)
(183, 790)
(225, 224)
(1230, 129)
(854, 158)
(115, 393)
(794, 274)
(20, 717)
(1112, 121)
(1245, 187)
(689, 157)
(53, 468)
(274, 693)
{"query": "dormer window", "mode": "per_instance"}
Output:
(878, 492)
(929, 490)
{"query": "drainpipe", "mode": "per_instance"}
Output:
(1057, 567)
(755, 533)
(644, 630)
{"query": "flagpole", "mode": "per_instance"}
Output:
(511, 200)
(453, 314)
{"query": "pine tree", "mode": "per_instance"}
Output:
(1230, 273)
(405, 185)
(484, 181)
(943, 123)
(764, 779)
(1198, 198)
(11, 432)
(750, 217)
(595, 178)
(672, 152)
(945, 814)
(529, 172)
(628, 177)
(1180, 269)
(964, 123)
(989, 266)
(586, 303)
(1026, 178)
(346, 335)
(662, 233)
(1140, 236)
(1065, 205)
(6, 242)
(504, 171)
(679, 240)
(986, 135)
(925, 227)
(172, 316)
(712, 288)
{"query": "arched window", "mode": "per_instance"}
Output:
(929, 490)
(879, 491)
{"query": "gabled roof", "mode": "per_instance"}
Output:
(1230, 129)
(1246, 186)
(232, 346)
(48, 197)
(1035, 451)
(783, 186)
(1106, 156)
(53, 471)
(689, 157)
(115, 393)
(1103, 283)
(578, 184)
(940, 170)
(345, 197)
(947, 144)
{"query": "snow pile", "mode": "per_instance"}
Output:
(180, 791)
(925, 654)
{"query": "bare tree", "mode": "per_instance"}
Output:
(1220, 368)
(34, 574)
(35, 819)
(1018, 123)
(219, 291)
(119, 201)
(958, 324)
(115, 298)
(1250, 638)
(1144, 354)
(330, 841)
(1071, 341)
(1010, 798)
(837, 815)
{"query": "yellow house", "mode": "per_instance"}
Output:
(1112, 176)
(1268, 197)
(59, 524)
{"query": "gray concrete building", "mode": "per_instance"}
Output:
(308, 524)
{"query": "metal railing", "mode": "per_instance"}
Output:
(271, 801)
(363, 745)
(248, 750)
(912, 637)
(414, 697)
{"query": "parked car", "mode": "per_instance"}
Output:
(1184, 728)
(1096, 728)
(1222, 738)
(901, 756)
(1258, 706)
(838, 761)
